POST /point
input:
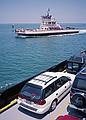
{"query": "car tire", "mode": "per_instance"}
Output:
(78, 100)
(53, 106)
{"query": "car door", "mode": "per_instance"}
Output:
(49, 94)
(62, 87)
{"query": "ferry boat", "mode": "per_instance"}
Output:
(48, 26)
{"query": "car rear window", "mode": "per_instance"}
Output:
(80, 83)
(32, 91)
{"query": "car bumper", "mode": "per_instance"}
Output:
(38, 110)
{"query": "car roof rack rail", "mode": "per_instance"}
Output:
(47, 78)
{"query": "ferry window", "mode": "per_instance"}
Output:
(49, 22)
(49, 90)
(53, 22)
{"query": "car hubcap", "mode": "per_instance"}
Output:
(53, 105)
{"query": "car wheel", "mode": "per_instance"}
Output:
(78, 100)
(53, 106)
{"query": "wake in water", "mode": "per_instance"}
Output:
(82, 31)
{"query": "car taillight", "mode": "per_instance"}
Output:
(41, 102)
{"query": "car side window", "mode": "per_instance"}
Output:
(57, 84)
(64, 79)
(49, 90)
(61, 81)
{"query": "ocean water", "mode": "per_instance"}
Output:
(21, 58)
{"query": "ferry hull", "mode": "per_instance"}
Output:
(47, 33)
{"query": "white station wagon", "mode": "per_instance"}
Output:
(43, 92)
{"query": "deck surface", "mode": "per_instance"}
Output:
(14, 113)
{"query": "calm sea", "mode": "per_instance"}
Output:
(21, 58)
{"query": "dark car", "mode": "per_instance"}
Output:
(78, 91)
(76, 63)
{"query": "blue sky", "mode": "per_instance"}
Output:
(29, 11)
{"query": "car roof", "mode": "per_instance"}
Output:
(46, 78)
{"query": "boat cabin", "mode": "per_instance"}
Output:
(49, 23)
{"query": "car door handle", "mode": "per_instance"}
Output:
(65, 86)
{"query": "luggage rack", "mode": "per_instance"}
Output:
(44, 78)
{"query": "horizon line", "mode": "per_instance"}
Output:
(39, 23)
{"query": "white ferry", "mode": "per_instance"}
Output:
(48, 27)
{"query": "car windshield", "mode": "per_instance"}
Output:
(80, 83)
(32, 91)
(73, 66)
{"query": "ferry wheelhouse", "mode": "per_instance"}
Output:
(49, 23)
